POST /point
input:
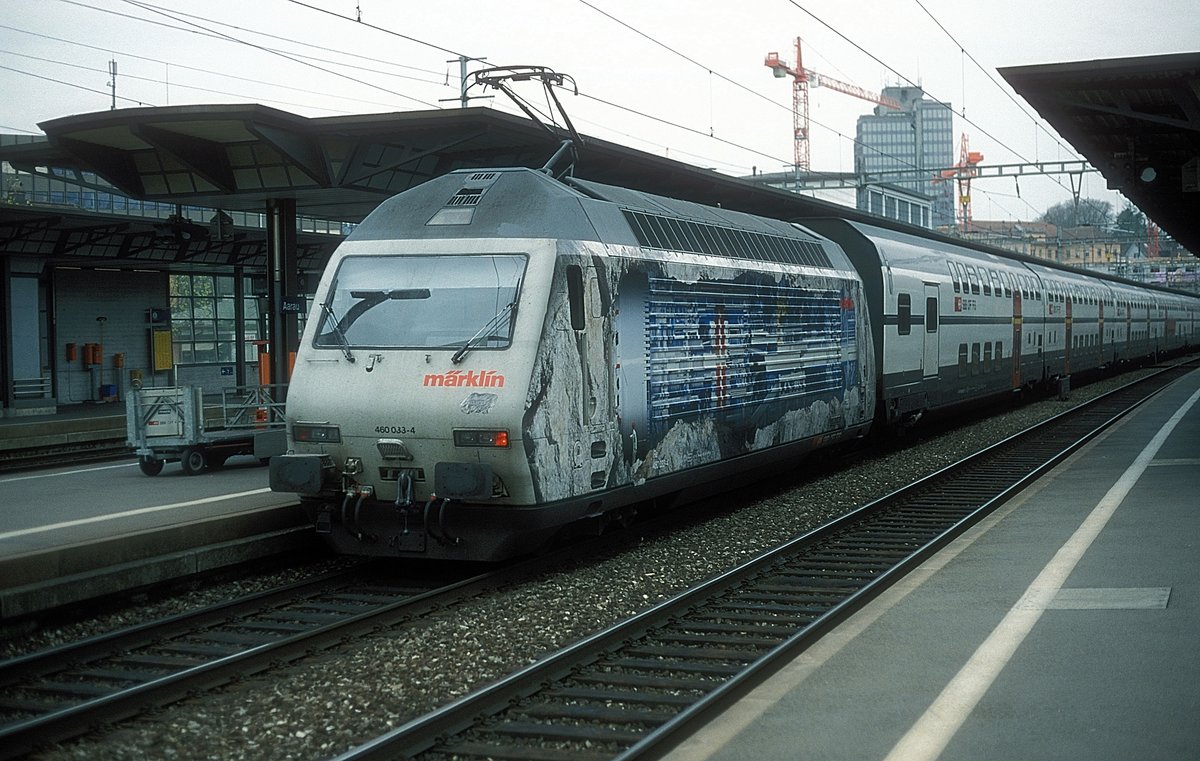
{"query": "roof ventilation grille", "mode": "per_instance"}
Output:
(466, 197)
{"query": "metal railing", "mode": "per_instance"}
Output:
(252, 406)
(31, 388)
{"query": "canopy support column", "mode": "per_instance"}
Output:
(283, 275)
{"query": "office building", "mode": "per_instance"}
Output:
(917, 137)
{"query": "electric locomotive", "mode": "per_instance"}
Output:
(497, 356)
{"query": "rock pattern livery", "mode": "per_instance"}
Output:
(683, 364)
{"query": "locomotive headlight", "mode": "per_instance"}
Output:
(471, 438)
(316, 433)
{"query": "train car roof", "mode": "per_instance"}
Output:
(872, 230)
(657, 204)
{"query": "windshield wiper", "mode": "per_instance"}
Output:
(336, 328)
(371, 299)
(485, 333)
(366, 300)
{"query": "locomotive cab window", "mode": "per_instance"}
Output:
(427, 302)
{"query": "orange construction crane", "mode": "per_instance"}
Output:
(802, 79)
(966, 168)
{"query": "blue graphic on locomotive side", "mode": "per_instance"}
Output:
(728, 348)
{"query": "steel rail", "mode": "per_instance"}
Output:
(71, 689)
(51, 456)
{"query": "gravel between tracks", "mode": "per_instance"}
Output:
(330, 703)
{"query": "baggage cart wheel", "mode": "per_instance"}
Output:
(150, 466)
(192, 461)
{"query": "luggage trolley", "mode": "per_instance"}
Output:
(171, 423)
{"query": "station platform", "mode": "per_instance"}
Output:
(68, 424)
(75, 533)
(1063, 626)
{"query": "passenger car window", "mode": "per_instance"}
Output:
(904, 314)
(974, 278)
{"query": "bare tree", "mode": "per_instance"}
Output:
(1132, 220)
(1089, 211)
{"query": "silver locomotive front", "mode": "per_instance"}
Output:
(409, 390)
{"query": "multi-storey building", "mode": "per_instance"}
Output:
(918, 136)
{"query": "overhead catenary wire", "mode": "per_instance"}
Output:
(711, 132)
(855, 141)
(743, 87)
(105, 93)
(642, 114)
(195, 28)
(1037, 123)
(152, 9)
(218, 36)
(179, 17)
(198, 88)
(392, 32)
(449, 51)
(940, 102)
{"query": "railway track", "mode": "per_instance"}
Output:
(639, 687)
(66, 691)
(50, 456)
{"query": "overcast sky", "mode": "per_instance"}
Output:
(676, 78)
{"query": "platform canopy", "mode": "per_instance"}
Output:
(340, 168)
(1137, 120)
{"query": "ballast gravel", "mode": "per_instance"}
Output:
(329, 703)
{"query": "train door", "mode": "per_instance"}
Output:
(589, 322)
(1128, 329)
(630, 362)
(1067, 335)
(1016, 340)
(930, 361)
(601, 405)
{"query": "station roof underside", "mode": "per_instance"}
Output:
(240, 157)
(340, 168)
(1126, 115)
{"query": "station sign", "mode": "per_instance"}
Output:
(292, 305)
